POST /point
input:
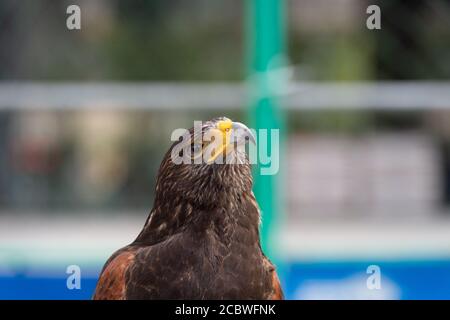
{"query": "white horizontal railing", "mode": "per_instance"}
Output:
(203, 96)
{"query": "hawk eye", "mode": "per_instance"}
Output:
(195, 148)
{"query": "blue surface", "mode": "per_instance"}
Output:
(42, 288)
(420, 280)
(399, 280)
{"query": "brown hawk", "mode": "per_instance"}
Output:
(201, 239)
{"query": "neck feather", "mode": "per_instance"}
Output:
(227, 206)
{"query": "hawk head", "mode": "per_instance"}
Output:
(207, 164)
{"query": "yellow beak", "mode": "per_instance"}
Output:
(231, 133)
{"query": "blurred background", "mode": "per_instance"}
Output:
(86, 117)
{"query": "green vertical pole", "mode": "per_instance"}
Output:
(265, 54)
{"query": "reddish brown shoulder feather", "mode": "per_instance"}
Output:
(277, 292)
(111, 284)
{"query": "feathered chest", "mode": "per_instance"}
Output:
(200, 266)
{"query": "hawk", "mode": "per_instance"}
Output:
(201, 239)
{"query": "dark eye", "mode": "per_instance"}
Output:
(195, 148)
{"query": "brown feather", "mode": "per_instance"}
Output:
(200, 241)
(111, 284)
(277, 292)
